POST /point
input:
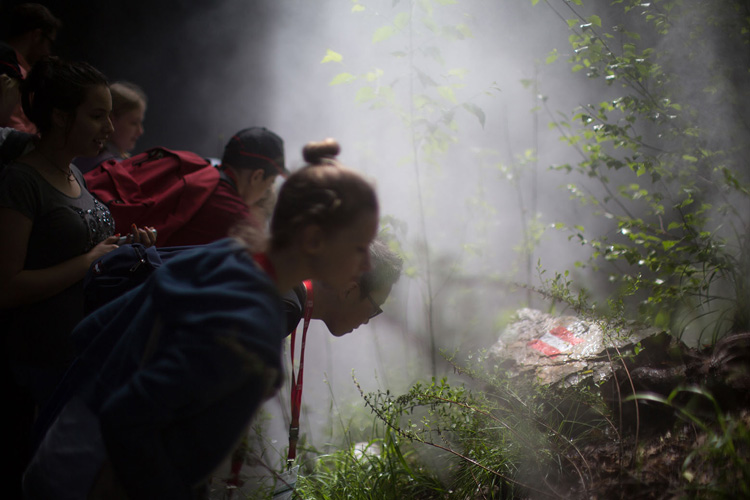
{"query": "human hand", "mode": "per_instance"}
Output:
(146, 236)
(103, 248)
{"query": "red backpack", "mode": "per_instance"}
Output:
(159, 187)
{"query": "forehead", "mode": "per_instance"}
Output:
(365, 226)
(133, 114)
(98, 96)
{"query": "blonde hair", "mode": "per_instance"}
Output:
(127, 97)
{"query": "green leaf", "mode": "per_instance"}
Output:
(668, 244)
(595, 20)
(371, 76)
(365, 94)
(358, 8)
(465, 30)
(421, 100)
(430, 25)
(434, 53)
(459, 72)
(476, 111)
(402, 20)
(425, 79)
(447, 2)
(332, 56)
(446, 92)
(551, 57)
(383, 33)
(342, 78)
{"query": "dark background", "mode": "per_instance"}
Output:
(177, 51)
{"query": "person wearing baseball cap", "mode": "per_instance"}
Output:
(252, 161)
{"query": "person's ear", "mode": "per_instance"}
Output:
(257, 176)
(37, 35)
(349, 292)
(60, 118)
(313, 240)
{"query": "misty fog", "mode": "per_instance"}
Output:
(212, 68)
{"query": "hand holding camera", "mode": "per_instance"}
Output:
(146, 236)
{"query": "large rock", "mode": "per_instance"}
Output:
(562, 350)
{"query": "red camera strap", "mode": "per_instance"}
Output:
(296, 393)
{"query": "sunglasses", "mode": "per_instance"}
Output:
(376, 310)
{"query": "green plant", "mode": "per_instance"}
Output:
(378, 468)
(500, 440)
(667, 180)
(718, 466)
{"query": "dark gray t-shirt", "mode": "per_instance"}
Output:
(63, 227)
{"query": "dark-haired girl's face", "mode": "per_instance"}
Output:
(91, 126)
(346, 252)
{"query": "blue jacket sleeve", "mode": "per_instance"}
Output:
(174, 421)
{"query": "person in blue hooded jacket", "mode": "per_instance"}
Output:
(173, 371)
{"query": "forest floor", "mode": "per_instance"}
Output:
(691, 440)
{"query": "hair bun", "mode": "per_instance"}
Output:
(315, 152)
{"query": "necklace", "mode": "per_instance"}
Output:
(66, 172)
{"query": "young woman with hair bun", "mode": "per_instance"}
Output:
(174, 370)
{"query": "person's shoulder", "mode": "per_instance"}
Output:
(18, 172)
(228, 199)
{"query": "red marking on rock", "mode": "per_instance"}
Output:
(544, 348)
(564, 334)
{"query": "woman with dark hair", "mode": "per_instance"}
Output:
(53, 228)
(175, 369)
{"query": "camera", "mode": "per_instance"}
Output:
(126, 239)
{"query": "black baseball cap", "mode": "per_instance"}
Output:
(9, 62)
(256, 147)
